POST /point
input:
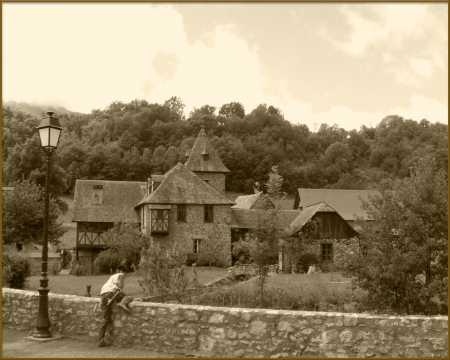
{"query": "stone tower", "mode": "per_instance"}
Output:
(205, 162)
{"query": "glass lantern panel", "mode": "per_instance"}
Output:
(54, 137)
(44, 136)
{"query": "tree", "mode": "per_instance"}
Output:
(402, 260)
(164, 272)
(204, 110)
(176, 108)
(232, 108)
(264, 240)
(22, 212)
(127, 240)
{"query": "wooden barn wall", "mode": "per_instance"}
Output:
(331, 226)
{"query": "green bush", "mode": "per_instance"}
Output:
(191, 259)
(16, 269)
(107, 260)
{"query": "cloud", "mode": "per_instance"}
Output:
(415, 34)
(222, 71)
(422, 108)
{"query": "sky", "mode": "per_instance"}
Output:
(349, 64)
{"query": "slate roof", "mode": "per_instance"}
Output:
(252, 218)
(306, 215)
(182, 186)
(197, 162)
(347, 203)
(251, 202)
(118, 201)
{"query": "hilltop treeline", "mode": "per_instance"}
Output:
(130, 141)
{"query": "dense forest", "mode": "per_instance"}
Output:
(130, 141)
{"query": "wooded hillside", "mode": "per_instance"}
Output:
(130, 141)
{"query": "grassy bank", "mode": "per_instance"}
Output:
(317, 292)
(76, 285)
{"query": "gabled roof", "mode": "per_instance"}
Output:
(254, 201)
(346, 202)
(182, 186)
(307, 215)
(253, 219)
(118, 201)
(209, 163)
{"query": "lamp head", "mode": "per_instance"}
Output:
(49, 132)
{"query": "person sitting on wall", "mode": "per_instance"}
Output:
(112, 287)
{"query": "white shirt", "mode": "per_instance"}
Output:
(114, 283)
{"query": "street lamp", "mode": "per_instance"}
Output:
(49, 132)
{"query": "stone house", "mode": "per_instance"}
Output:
(186, 209)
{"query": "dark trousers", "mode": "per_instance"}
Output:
(107, 311)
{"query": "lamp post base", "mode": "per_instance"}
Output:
(42, 334)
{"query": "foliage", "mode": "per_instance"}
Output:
(241, 251)
(118, 143)
(16, 268)
(294, 248)
(22, 212)
(403, 257)
(126, 240)
(107, 261)
(208, 253)
(164, 272)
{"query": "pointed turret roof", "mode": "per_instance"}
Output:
(204, 157)
(182, 186)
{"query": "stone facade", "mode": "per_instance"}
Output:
(342, 248)
(232, 332)
(216, 180)
(216, 235)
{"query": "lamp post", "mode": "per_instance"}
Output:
(49, 132)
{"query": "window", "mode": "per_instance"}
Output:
(160, 221)
(209, 215)
(181, 213)
(197, 246)
(327, 252)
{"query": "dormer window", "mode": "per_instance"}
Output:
(97, 196)
(205, 155)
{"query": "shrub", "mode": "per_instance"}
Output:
(191, 259)
(16, 268)
(107, 260)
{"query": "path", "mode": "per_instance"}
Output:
(14, 345)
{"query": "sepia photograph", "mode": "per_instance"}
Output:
(225, 180)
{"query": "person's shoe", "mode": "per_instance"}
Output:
(124, 304)
(103, 343)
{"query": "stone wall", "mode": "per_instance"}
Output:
(232, 332)
(216, 236)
